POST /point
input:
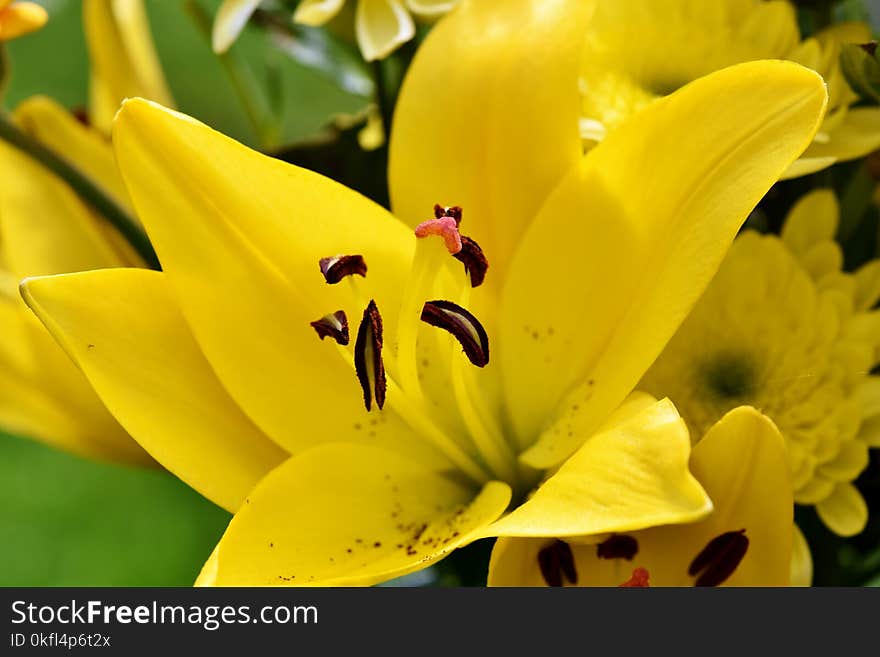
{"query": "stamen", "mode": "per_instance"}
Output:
(334, 326)
(462, 325)
(368, 357)
(556, 562)
(475, 263)
(618, 546)
(720, 558)
(335, 268)
(445, 227)
(639, 580)
(452, 211)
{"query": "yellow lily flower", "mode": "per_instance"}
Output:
(20, 18)
(381, 26)
(355, 463)
(745, 541)
(639, 50)
(46, 229)
(784, 329)
(123, 59)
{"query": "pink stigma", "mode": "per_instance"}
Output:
(445, 227)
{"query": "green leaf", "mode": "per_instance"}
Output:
(861, 66)
(71, 522)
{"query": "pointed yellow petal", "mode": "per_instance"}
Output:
(316, 12)
(381, 26)
(430, 7)
(755, 496)
(801, 560)
(856, 136)
(806, 165)
(83, 147)
(501, 130)
(844, 511)
(230, 20)
(46, 228)
(867, 278)
(628, 241)
(631, 476)
(126, 333)
(811, 221)
(348, 515)
(21, 18)
(239, 236)
(123, 59)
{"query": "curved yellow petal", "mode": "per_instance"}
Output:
(844, 511)
(46, 228)
(45, 397)
(123, 59)
(126, 333)
(381, 26)
(630, 476)
(801, 560)
(82, 146)
(230, 20)
(629, 240)
(856, 136)
(316, 12)
(813, 219)
(755, 496)
(488, 118)
(239, 236)
(21, 18)
(348, 515)
(430, 7)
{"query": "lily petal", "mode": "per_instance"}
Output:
(629, 240)
(755, 496)
(46, 228)
(316, 12)
(230, 20)
(381, 26)
(123, 329)
(123, 59)
(348, 515)
(485, 140)
(239, 236)
(430, 7)
(630, 476)
(82, 146)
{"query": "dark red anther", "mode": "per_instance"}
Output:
(719, 559)
(335, 268)
(475, 263)
(368, 357)
(462, 325)
(556, 562)
(334, 326)
(618, 546)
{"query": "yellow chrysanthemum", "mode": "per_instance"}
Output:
(639, 50)
(381, 25)
(783, 328)
(20, 18)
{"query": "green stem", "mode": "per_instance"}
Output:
(238, 77)
(382, 100)
(87, 190)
